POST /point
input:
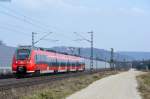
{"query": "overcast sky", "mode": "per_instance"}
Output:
(121, 24)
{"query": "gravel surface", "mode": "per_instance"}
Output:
(120, 86)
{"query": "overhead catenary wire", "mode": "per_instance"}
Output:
(32, 21)
(81, 37)
(27, 18)
(42, 37)
(24, 18)
(15, 26)
(14, 30)
(21, 19)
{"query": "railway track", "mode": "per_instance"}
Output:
(11, 83)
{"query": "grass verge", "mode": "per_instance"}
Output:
(63, 88)
(144, 85)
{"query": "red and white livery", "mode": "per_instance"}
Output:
(34, 60)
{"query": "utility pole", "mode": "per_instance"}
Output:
(79, 51)
(92, 44)
(105, 62)
(91, 41)
(97, 61)
(112, 59)
(33, 34)
(125, 63)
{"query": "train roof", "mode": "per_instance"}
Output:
(45, 49)
(53, 51)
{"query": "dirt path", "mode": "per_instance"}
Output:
(120, 86)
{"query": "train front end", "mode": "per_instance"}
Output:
(22, 61)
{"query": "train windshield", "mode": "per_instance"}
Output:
(23, 54)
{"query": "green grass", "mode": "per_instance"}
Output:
(144, 85)
(63, 88)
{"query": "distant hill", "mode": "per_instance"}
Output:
(99, 53)
(137, 55)
(102, 53)
(6, 53)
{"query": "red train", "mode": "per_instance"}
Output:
(28, 60)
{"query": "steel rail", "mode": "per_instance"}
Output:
(18, 83)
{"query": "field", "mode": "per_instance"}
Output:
(144, 85)
(64, 88)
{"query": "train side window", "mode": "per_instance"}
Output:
(71, 64)
(68, 63)
(63, 64)
(77, 64)
(35, 58)
(52, 62)
(74, 64)
(40, 58)
(43, 58)
(49, 61)
(46, 59)
(56, 63)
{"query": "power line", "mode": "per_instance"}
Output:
(15, 27)
(25, 16)
(21, 19)
(82, 37)
(10, 30)
(42, 38)
(31, 20)
(28, 20)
